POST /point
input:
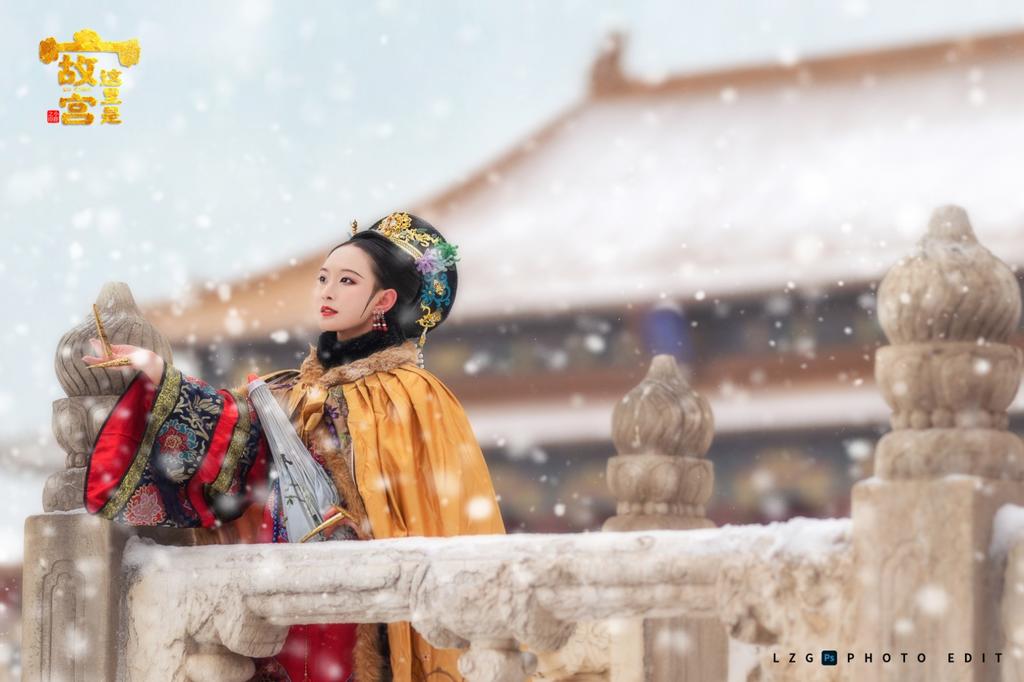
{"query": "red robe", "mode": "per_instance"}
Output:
(184, 454)
(207, 456)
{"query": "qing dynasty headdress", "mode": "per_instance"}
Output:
(434, 258)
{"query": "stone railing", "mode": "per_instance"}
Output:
(935, 534)
(482, 592)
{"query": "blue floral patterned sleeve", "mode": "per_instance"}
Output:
(180, 454)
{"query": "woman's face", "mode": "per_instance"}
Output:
(345, 285)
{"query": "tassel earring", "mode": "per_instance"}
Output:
(379, 323)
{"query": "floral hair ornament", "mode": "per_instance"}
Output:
(433, 256)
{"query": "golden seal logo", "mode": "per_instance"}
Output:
(77, 77)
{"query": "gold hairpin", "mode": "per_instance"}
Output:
(108, 350)
(355, 227)
(116, 362)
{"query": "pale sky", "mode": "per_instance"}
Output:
(256, 131)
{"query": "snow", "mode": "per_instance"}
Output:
(270, 566)
(933, 600)
(738, 411)
(1007, 530)
(814, 540)
(687, 195)
(858, 449)
(479, 508)
(674, 641)
(807, 538)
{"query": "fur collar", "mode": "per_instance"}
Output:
(312, 371)
(332, 352)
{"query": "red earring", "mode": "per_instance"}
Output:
(379, 323)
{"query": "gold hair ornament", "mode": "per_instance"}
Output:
(434, 256)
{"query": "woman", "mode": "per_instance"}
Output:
(397, 445)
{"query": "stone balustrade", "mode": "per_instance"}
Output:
(484, 593)
(932, 560)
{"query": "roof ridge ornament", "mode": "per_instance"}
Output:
(606, 74)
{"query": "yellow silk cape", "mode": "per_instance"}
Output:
(418, 467)
(420, 472)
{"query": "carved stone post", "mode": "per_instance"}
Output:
(584, 658)
(662, 430)
(72, 562)
(1008, 548)
(923, 523)
(496, 660)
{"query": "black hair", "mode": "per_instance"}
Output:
(393, 268)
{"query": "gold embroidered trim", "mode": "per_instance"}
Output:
(239, 437)
(167, 396)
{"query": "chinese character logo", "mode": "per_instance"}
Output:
(77, 77)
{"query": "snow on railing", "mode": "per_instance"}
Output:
(880, 583)
(481, 592)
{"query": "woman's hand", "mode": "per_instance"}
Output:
(142, 359)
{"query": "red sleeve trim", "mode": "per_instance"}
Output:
(211, 465)
(117, 442)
